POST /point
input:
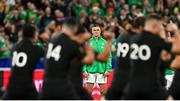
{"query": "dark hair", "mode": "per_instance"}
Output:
(96, 25)
(138, 22)
(28, 30)
(81, 30)
(71, 23)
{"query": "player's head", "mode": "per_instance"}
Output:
(70, 26)
(82, 35)
(153, 24)
(96, 30)
(30, 31)
(138, 23)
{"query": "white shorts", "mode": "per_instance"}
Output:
(96, 78)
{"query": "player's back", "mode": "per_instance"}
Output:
(121, 73)
(145, 55)
(61, 51)
(123, 48)
(25, 57)
(59, 56)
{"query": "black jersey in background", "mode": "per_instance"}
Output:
(121, 73)
(76, 80)
(174, 89)
(61, 51)
(25, 57)
(144, 80)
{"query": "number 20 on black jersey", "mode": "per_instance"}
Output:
(142, 52)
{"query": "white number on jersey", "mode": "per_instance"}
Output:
(142, 52)
(54, 53)
(16, 59)
(123, 48)
(134, 54)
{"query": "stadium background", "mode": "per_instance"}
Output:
(113, 15)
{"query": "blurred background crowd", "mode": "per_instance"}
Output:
(48, 15)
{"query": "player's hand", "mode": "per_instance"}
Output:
(108, 35)
(172, 27)
(165, 56)
(44, 36)
(86, 36)
(175, 63)
(106, 74)
(85, 74)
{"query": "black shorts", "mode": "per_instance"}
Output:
(58, 91)
(145, 92)
(20, 92)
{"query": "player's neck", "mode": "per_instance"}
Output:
(135, 30)
(68, 33)
(96, 38)
(150, 30)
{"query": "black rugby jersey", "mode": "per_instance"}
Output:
(25, 56)
(61, 51)
(122, 72)
(145, 55)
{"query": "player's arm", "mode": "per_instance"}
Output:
(176, 43)
(104, 56)
(89, 57)
(108, 66)
(166, 56)
(175, 63)
(85, 73)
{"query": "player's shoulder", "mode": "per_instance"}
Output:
(124, 37)
(24, 43)
(102, 40)
(135, 38)
(57, 37)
